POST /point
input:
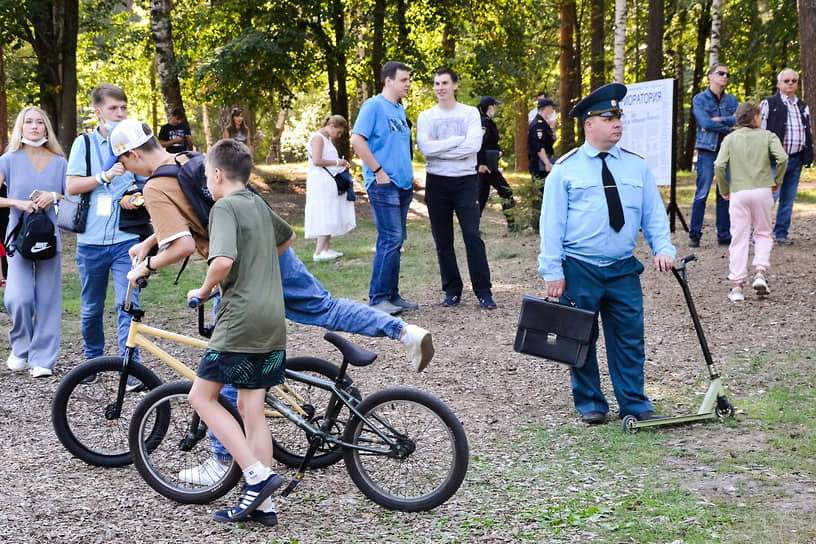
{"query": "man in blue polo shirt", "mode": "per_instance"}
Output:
(381, 137)
(103, 248)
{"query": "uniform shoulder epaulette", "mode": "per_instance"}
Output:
(567, 155)
(633, 153)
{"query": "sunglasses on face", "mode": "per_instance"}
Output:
(789, 81)
(721, 73)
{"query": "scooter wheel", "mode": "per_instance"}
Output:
(724, 411)
(630, 424)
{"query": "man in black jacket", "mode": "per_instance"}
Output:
(788, 118)
(488, 162)
(541, 140)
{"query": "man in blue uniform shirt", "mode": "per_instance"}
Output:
(596, 200)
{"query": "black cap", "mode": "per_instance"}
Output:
(237, 111)
(544, 102)
(604, 100)
(487, 101)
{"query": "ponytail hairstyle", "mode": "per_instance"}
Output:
(335, 121)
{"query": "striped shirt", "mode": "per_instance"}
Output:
(794, 140)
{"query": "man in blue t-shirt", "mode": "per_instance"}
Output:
(381, 137)
(103, 248)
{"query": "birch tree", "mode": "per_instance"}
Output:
(807, 45)
(716, 32)
(619, 58)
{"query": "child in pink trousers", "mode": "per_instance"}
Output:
(746, 152)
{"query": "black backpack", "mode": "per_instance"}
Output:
(193, 182)
(36, 240)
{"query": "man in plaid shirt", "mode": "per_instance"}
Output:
(788, 118)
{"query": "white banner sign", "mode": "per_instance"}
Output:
(647, 125)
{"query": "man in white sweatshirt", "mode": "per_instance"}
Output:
(450, 135)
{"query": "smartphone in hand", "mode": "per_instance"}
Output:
(34, 194)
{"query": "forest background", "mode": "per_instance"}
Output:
(290, 63)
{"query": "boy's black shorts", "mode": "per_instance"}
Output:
(243, 370)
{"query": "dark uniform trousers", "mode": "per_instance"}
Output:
(495, 179)
(615, 291)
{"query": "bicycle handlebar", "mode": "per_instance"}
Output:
(195, 302)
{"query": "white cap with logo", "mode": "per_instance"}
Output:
(127, 135)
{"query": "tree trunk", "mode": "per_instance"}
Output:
(341, 106)
(566, 68)
(165, 55)
(205, 120)
(448, 43)
(716, 31)
(654, 41)
(273, 157)
(54, 40)
(402, 31)
(522, 127)
(619, 58)
(679, 72)
(378, 44)
(703, 30)
(597, 62)
(4, 129)
(807, 45)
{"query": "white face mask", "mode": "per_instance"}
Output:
(32, 143)
(110, 125)
(551, 117)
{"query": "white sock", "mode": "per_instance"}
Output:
(267, 506)
(256, 473)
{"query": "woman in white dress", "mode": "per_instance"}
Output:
(327, 213)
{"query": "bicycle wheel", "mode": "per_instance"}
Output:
(429, 461)
(186, 444)
(84, 415)
(289, 440)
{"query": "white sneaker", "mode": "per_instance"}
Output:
(760, 285)
(41, 372)
(207, 473)
(16, 363)
(334, 253)
(323, 256)
(419, 345)
(736, 295)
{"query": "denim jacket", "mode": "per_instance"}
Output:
(705, 106)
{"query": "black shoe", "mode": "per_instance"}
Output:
(724, 241)
(89, 379)
(694, 242)
(784, 241)
(270, 519)
(593, 418)
(252, 498)
(648, 415)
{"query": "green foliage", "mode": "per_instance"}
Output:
(528, 196)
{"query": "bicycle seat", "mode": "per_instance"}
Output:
(354, 354)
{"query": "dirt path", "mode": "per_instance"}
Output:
(48, 496)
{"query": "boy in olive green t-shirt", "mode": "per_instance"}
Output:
(247, 348)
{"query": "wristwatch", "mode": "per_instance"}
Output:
(147, 264)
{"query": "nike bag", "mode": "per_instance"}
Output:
(33, 237)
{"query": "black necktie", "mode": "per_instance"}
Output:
(612, 197)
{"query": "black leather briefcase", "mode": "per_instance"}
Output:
(554, 331)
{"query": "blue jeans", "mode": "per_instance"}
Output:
(94, 263)
(786, 196)
(390, 206)
(307, 301)
(614, 290)
(705, 175)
